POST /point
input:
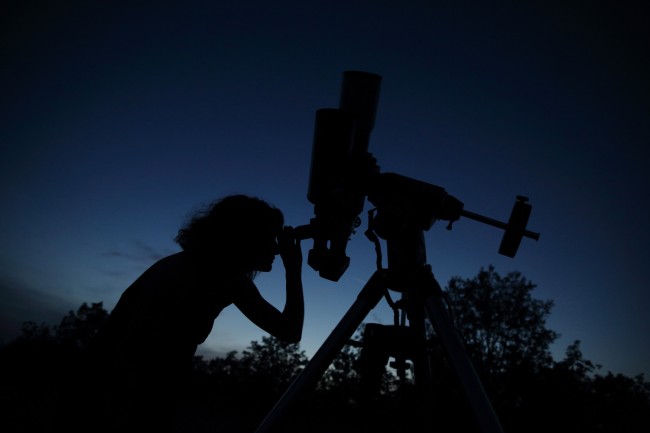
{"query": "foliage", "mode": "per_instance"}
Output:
(501, 323)
(273, 362)
(269, 366)
(342, 375)
(503, 326)
(504, 330)
(76, 329)
(73, 331)
(39, 364)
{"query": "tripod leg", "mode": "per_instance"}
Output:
(458, 357)
(367, 299)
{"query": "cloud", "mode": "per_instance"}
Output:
(138, 251)
(128, 261)
(21, 302)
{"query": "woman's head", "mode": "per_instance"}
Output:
(238, 230)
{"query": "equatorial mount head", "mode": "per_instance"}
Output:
(343, 173)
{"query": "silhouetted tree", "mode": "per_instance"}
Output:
(37, 368)
(502, 325)
(574, 362)
(273, 363)
(343, 373)
(620, 403)
(32, 331)
(77, 328)
(504, 329)
(238, 390)
(73, 331)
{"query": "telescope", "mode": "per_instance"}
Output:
(343, 174)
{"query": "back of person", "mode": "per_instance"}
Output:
(134, 371)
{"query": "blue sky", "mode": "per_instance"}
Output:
(119, 121)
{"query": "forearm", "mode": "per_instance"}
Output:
(294, 309)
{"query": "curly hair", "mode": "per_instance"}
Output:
(228, 228)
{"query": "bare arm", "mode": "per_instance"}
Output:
(286, 325)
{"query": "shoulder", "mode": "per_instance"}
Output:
(197, 273)
(175, 264)
(166, 274)
(180, 258)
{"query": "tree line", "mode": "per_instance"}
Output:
(371, 385)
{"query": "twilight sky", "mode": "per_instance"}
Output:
(117, 122)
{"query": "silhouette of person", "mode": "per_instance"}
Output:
(143, 354)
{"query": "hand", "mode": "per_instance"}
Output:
(290, 250)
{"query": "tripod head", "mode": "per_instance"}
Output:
(343, 173)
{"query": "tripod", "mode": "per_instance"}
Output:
(409, 274)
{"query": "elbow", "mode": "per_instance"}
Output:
(289, 331)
